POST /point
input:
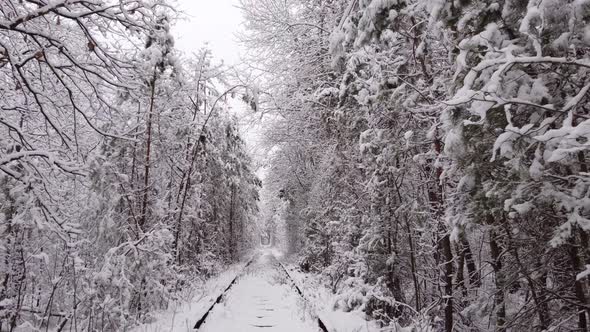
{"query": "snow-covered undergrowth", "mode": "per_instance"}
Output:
(342, 309)
(324, 301)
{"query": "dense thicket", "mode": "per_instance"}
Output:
(123, 177)
(430, 156)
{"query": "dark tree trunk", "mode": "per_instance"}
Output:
(578, 284)
(146, 176)
(413, 267)
(459, 277)
(230, 241)
(472, 271)
(436, 198)
(499, 299)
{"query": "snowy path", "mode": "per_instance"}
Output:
(262, 299)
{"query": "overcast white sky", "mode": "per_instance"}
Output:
(212, 21)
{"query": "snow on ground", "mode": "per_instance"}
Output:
(262, 299)
(182, 316)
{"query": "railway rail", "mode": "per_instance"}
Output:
(282, 270)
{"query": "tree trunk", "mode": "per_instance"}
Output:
(540, 304)
(183, 190)
(472, 271)
(413, 267)
(445, 244)
(394, 282)
(499, 300)
(459, 277)
(578, 284)
(436, 198)
(146, 177)
(134, 164)
(231, 224)
(584, 237)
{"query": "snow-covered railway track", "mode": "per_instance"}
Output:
(220, 296)
(262, 296)
(321, 324)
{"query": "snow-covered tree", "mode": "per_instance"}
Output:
(104, 130)
(438, 129)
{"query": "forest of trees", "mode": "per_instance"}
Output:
(123, 178)
(428, 157)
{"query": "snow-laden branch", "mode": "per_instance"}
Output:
(48, 156)
(290, 25)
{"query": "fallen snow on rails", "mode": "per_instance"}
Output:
(181, 315)
(261, 299)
